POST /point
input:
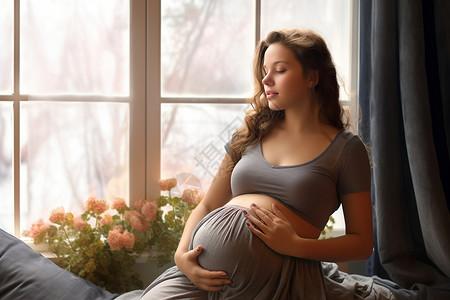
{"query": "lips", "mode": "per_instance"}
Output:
(270, 94)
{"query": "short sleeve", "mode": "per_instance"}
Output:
(354, 168)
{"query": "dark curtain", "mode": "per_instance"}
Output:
(405, 102)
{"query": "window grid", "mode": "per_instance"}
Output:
(155, 98)
(136, 100)
(144, 177)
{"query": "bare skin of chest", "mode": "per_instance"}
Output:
(284, 150)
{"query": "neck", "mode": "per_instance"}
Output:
(302, 120)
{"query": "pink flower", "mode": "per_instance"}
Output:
(191, 196)
(149, 210)
(36, 229)
(140, 203)
(114, 240)
(118, 204)
(79, 223)
(118, 228)
(127, 240)
(137, 221)
(117, 240)
(106, 220)
(57, 215)
(167, 184)
(96, 205)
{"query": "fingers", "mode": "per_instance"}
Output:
(194, 253)
(212, 280)
(261, 212)
(263, 220)
(258, 222)
(255, 230)
(199, 250)
(265, 214)
(263, 217)
(211, 275)
(203, 278)
(278, 212)
(204, 273)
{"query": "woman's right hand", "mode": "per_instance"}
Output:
(218, 194)
(204, 279)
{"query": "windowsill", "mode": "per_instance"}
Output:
(44, 251)
(149, 272)
(43, 248)
(40, 248)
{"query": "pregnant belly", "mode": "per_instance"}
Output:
(229, 245)
(256, 271)
(301, 226)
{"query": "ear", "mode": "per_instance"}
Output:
(313, 78)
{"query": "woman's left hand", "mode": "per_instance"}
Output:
(273, 228)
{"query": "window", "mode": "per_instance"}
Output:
(137, 91)
(206, 58)
(6, 166)
(330, 18)
(206, 48)
(6, 40)
(206, 52)
(6, 114)
(73, 103)
(91, 58)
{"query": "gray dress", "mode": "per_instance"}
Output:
(257, 272)
(312, 190)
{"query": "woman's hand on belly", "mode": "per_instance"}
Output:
(202, 278)
(303, 228)
(273, 228)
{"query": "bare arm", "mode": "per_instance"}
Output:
(218, 195)
(356, 244)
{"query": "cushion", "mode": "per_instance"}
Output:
(26, 274)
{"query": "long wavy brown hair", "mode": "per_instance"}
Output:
(312, 52)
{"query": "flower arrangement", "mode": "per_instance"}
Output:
(103, 243)
(328, 228)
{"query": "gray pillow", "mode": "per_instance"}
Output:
(26, 274)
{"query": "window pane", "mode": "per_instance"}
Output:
(6, 167)
(207, 48)
(7, 42)
(193, 136)
(75, 47)
(330, 18)
(72, 151)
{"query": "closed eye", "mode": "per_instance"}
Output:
(281, 71)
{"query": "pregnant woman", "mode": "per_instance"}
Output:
(287, 169)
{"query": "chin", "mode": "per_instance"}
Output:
(274, 107)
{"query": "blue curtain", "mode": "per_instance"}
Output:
(404, 96)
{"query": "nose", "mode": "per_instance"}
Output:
(267, 80)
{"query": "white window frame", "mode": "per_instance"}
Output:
(145, 96)
(155, 100)
(136, 100)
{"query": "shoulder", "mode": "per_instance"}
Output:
(353, 150)
(348, 135)
(354, 165)
(351, 141)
